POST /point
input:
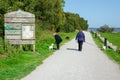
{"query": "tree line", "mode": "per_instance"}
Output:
(105, 29)
(48, 12)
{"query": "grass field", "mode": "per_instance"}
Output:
(114, 38)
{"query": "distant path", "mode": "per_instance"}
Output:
(70, 64)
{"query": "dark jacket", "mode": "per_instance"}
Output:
(58, 39)
(80, 36)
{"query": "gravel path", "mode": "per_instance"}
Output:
(70, 64)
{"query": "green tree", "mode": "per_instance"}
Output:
(2, 12)
(49, 12)
(105, 28)
(74, 21)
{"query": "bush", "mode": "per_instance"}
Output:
(2, 51)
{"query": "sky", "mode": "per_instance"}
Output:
(97, 12)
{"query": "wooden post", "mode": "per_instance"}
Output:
(105, 42)
(21, 47)
(34, 48)
(95, 34)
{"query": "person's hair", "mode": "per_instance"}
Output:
(80, 29)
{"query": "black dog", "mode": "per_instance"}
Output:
(67, 37)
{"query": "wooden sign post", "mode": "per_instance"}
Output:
(20, 28)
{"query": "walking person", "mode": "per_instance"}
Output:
(80, 37)
(58, 40)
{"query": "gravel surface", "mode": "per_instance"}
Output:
(70, 64)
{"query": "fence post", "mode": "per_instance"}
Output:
(34, 48)
(105, 42)
(95, 34)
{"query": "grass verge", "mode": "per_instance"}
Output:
(19, 63)
(114, 55)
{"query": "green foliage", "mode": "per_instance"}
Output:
(50, 11)
(113, 55)
(14, 68)
(49, 17)
(73, 22)
(113, 38)
(2, 12)
(12, 50)
(20, 62)
(2, 51)
(105, 28)
(97, 41)
(2, 9)
(47, 12)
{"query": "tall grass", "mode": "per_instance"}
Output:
(2, 51)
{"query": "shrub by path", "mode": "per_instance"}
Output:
(70, 64)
